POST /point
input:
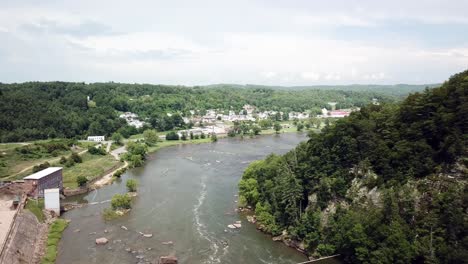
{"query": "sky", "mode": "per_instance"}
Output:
(269, 42)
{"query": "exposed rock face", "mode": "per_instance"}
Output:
(168, 260)
(101, 241)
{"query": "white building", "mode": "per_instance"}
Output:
(52, 200)
(96, 138)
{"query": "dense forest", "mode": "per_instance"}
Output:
(388, 184)
(39, 110)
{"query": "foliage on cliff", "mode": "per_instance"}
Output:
(386, 185)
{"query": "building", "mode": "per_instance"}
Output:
(96, 138)
(52, 200)
(45, 179)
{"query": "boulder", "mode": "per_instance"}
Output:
(236, 225)
(124, 227)
(101, 241)
(168, 260)
(148, 235)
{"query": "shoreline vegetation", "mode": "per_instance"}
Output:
(53, 238)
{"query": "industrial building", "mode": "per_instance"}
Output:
(48, 178)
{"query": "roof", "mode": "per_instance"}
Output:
(42, 173)
(54, 190)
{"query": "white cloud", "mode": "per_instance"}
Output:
(310, 76)
(272, 43)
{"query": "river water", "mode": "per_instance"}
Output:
(187, 195)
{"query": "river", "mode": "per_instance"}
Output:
(187, 194)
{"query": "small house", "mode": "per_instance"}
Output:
(48, 178)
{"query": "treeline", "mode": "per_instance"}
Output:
(40, 110)
(386, 185)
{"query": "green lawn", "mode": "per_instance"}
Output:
(92, 166)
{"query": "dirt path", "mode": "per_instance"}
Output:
(107, 179)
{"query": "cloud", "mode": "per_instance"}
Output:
(275, 42)
(332, 20)
(310, 76)
(82, 29)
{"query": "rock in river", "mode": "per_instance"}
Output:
(101, 241)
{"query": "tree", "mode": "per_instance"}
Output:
(191, 135)
(151, 137)
(131, 185)
(81, 180)
(277, 127)
(300, 126)
(117, 138)
(265, 123)
(214, 138)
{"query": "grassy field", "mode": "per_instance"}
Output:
(12, 162)
(91, 167)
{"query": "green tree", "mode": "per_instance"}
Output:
(277, 127)
(117, 138)
(151, 137)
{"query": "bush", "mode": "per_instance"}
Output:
(76, 158)
(96, 151)
(172, 136)
(119, 173)
(81, 180)
(69, 163)
(109, 214)
(131, 185)
(214, 138)
(202, 136)
(63, 160)
(231, 133)
(121, 201)
(184, 136)
(41, 167)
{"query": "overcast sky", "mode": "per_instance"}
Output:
(291, 42)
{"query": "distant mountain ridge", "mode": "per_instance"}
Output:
(393, 89)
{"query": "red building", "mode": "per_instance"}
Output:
(45, 179)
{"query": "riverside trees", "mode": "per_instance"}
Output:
(384, 185)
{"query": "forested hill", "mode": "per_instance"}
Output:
(386, 185)
(393, 90)
(39, 110)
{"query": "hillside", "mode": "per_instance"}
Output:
(386, 185)
(40, 110)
